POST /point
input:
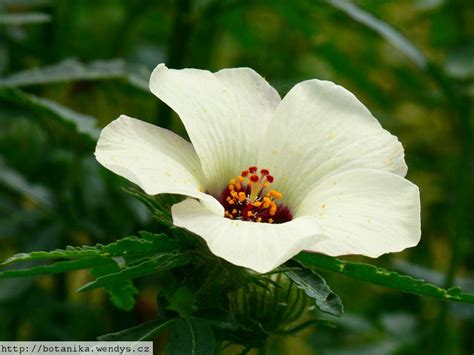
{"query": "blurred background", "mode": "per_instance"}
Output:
(67, 68)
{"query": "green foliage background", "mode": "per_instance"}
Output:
(68, 67)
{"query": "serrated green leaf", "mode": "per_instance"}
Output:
(149, 244)
(142, 332)
(191, 336)
(430, 275)
(315, 287)
(68, 253)
(158, 263)
(386, 31)
(383, 277)
(123, 295)
(58, 267)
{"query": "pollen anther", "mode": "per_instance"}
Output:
(247, 198)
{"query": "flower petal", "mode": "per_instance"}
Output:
(321, 129)
(223, 113)
(367, 212)
(154, 158)
(258, 246)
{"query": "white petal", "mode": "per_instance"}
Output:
(258, 246)
(367, 212)
(225, 114)
(321, 129)
(154, 158)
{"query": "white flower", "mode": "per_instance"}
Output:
(330, 178)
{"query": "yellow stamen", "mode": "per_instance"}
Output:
(248, 197)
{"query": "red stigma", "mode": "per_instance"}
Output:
(244, 173)
(254, 178)
(270, 178)
(253, 169)
(265, 172)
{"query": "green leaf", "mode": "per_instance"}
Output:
(191, 336)
(18, 183)
(121, 294)
(182, 301)
(383, 277)
(250, 334)
(386, 31)
(72, 70)
(142, 332)
(316, 288)
(58, 267)
(148, 244)
(83, 124)
(159, 205)
(67, 70)
(70, 252)
(430, 275)
(158, 263)
(24, 19)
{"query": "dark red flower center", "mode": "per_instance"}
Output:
(248, 198)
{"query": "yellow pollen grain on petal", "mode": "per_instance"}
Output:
(259, 219)
(234, 211)
(242, 196)
(270, 220)
(257, 204)
(249, 214)
(231, 202)
(232, 182)
(240, 178)
(231, 187)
